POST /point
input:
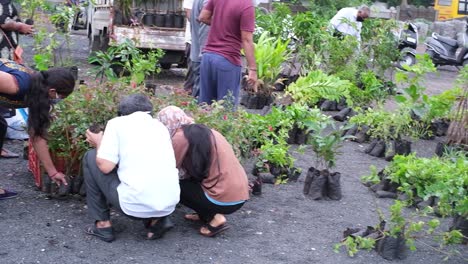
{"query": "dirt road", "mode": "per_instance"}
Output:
(281, 226)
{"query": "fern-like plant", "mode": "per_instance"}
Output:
(317, 85)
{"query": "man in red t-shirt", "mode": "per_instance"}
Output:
(232, 25)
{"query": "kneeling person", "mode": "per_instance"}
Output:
(133, 169)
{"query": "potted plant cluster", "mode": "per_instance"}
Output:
(321, 182)
(270, 54)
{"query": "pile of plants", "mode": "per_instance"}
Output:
(436, 186)
(270, 55)
(393, 236)
(126, 62)
(440, 181)
(73, 116)
(388, 130)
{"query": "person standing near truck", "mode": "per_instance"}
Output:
(189, 77)
(232, 25)
(199, 38)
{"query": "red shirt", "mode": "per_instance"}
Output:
(229, 18)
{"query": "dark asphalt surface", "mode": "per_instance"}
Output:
(281, 226)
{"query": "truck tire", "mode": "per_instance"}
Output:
(166, 66)
(99, 42)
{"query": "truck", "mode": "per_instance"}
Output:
(149, 24)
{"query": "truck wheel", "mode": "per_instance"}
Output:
(166, 66)
(99, 42)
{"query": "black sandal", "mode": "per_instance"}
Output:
(105, 234)
(215, 230)
(160, 228)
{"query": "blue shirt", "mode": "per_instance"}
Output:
(22, 76)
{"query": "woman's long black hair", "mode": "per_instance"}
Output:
(37, 97)
(200, 146)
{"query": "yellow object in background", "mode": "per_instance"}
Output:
(450, 9)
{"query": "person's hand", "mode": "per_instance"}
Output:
(94, 139)
(252, 80)
(59, 178)
(25, 28)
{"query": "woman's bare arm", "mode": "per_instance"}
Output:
(8, 83)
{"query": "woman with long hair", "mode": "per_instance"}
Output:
(22, 87)
(214, 182)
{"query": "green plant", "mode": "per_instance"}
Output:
(30, 7)
(371, 90)
(444, 178)
(45, 44)
(409, 229)
(318, 85)
(276, 154)
(372, 178)
(277, 23)
(386, 125)
(380, 44)
(235, 126)
(326, 145)
(270, 54)
(127, 58)
(87, 105)
(304, 117)
(63, 17)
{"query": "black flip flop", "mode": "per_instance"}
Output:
(8, 154)
(215, 230)
(105, 234)
(8, 195)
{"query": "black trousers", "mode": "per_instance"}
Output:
(193, 196)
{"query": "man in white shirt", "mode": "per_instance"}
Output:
(348, 21)
(133, 169)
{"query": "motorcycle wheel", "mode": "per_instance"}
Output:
(407, 59)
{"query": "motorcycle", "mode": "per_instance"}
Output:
(80, 18)
(407, 43)
(448, 51)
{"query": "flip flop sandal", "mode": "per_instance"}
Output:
(105, 234)
(7, 195)
(6, 154)
(215, 230)
(160, 228)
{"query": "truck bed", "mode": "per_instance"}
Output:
(151, 37)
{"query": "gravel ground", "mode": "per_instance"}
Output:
(281, 226)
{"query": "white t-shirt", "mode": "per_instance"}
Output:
(187, 4)
(345, 22)
(142, 148)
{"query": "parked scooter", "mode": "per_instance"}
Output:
(80, 18)
(448, 51)
(407, 43)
